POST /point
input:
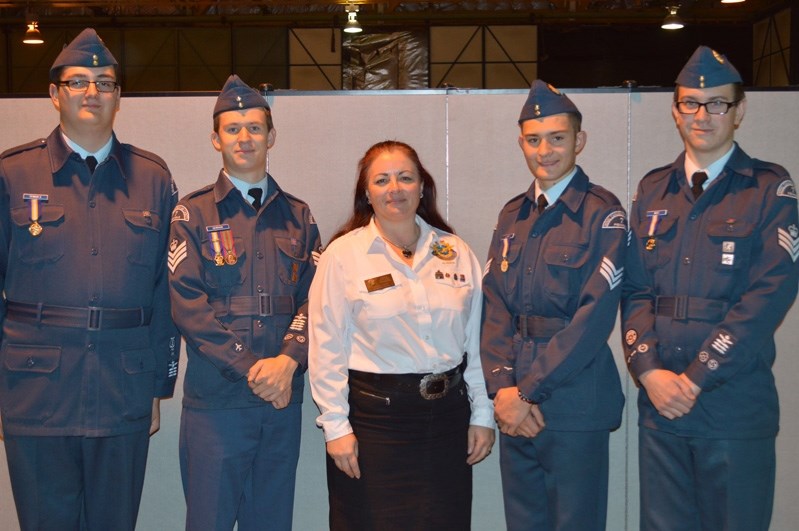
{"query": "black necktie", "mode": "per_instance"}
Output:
(256, 194)
(91, 162)
(698, 179)
(542, 203)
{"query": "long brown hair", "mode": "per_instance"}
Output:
(362, 211)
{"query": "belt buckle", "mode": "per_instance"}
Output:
(264, 305)
(94, 319)
(434, 386)
(680, 307)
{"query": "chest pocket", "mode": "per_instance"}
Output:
(451, 293)
(383, 303)
(291, 259)
(564, 268)
(228, 276)
(513, 275)
(661, 244)
(143, 236)
(731, 241)
(48, 246)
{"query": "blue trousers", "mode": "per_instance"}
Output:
(693, 484)
(77, 483)
(240, 465)
(556, 481)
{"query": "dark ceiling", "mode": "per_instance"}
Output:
(376, 13)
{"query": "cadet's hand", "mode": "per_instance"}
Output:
(155, 420)
(480, 441)
(344, 452)
(533, 424)
(270, 379)
(671, 395)
(510, 412)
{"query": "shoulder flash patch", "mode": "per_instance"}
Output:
(181, 213)
(615, 220)
(787, 189)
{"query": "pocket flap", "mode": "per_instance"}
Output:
(566, 255)
(47, 214)
(142, 218)
(32, 358)
(138, 361)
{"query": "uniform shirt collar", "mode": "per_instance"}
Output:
(373, 236)
(244, 186)
(556, 190)
(712, 171)
(101, 154)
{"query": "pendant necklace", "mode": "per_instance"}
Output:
(406, 249)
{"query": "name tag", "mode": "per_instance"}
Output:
(378, 283)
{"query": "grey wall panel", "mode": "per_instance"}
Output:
(468, 142)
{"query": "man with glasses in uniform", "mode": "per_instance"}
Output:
(88, 344)
(710, 274)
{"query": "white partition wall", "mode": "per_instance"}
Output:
(468, 142)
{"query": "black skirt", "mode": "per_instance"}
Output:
(412, 457)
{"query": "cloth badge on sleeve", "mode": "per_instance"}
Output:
(610, 273)
(298, 324)
(487, 268)
(789, 240)
(630, 337)
(722, 343)
(181, 213)
(615, 220)
(315, 256)
(177, 253)
(786, 189)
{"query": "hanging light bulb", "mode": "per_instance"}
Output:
(352, 25)
(672, 20)
(32, 35)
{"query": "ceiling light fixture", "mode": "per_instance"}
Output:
(32, 34)
(352, 25)
(732, 1)
(672, 20)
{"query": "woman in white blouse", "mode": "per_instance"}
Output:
(394, 356)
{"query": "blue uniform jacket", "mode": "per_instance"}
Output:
(103, 244)
(277, 249)
(565, 264)
(729, 259)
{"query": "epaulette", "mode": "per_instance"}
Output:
(143, 153)
(659, 170)
(515, 199)
(764, 165)
(603, 194)
(40, 143)
(196, 193)
(294, 198)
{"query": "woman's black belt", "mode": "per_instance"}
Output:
(429, 385)
(89, 318)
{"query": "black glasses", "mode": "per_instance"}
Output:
(82, 85)
(712, 107)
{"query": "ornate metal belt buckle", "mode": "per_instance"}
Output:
(434, 386)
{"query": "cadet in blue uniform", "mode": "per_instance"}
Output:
(88, 345)
(711, 273)
(551, 296)
(242, 256)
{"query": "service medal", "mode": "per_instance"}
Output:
(35, 229)
(230, 249)
(503, 266)
(650, 244)
(216, 243)
(231, 258)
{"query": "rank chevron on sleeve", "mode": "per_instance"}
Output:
(789, 242)
(177, 253)
(611, 274)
